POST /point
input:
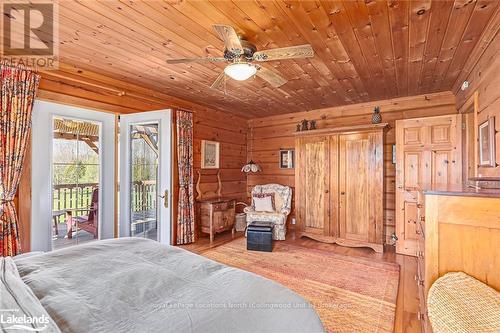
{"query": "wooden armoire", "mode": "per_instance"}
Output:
(339, 185)
(428, 153)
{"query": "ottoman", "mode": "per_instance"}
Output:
(260, 236)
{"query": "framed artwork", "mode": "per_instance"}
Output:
(287, 159)
(486, 133)
(209, 154)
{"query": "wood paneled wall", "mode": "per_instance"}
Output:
(275, 132)
(231, 132)
(94, 91)
(483, 74)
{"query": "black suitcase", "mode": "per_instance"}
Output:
(260, 236)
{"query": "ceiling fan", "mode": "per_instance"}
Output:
(240, 54)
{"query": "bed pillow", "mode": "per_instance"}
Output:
(264, 202)
(21, 309)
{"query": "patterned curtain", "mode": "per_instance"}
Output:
(18, 90)
(185, 216)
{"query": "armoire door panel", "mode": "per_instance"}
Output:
(355, 187)
(315, 184)
(314, 172)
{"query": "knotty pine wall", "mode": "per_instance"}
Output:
(95, 91)
(231, 132)
(485, 80)
(275, 132)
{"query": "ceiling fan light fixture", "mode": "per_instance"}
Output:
(240, 71)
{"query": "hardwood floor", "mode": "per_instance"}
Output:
(407, 302)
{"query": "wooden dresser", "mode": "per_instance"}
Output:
(458, 229)
(216, 215)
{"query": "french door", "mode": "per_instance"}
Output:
(73, 176)
(145, 175)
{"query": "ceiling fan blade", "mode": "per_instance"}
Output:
(187, 60)
(271, 77)
(219, 81)
(230, 38)
(299, 51)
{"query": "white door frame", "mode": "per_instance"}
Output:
(41, 175)
(164, 120)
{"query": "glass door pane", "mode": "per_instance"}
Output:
(144, 180)
(75, 181)
(145, 175)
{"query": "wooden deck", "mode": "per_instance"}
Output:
(407, 303)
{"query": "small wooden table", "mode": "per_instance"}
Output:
(217, 215)
(55, 216)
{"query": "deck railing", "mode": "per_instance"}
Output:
(70, 196)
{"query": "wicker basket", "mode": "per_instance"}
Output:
(241, 222)
(459, 303)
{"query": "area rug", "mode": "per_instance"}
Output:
(350, 294)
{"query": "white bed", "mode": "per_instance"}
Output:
(138, 285)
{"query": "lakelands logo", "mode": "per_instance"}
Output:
(15, 322)
(30, 33)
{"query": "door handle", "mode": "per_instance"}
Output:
(165, 198)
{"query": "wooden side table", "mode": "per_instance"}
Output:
(217, 215)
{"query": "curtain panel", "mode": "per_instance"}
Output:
(185, 215)
(18, 90)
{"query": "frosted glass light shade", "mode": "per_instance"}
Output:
(240, 71)
(251, 167)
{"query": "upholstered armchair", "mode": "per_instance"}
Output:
(282, 203)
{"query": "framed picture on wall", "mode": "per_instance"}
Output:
(287, 159)
(486, 133)
(209, 154)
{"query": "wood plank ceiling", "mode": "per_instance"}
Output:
(365, 50)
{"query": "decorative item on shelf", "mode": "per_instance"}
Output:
(487, 143)
(312, 125)
(304, 125)
(287, 158)
(376, 116)
(209, 154)
(251, 166)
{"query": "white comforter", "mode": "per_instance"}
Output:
(138, 285)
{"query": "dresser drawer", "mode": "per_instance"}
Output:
(222, 206)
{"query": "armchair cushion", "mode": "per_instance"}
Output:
(263, 202)
(277, 218)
